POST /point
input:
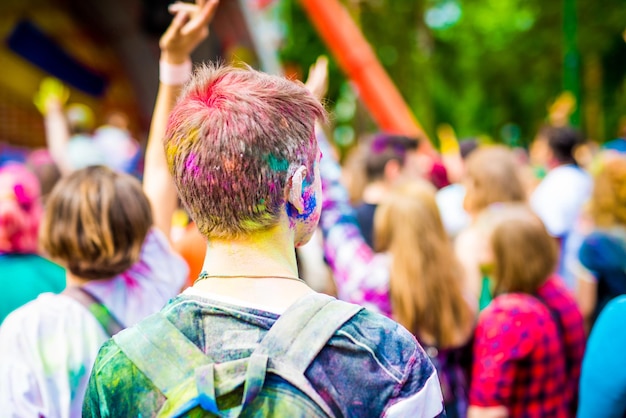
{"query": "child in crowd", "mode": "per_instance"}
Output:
(25, 274)
(249, 336)
(602, 272)
(529, 341)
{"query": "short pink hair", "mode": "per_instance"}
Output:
(233, 140)
(20, 209)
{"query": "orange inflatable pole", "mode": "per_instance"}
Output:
(359, 62)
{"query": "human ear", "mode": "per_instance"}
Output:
(296, 187)
(392, 170)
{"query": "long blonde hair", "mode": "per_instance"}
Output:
(425, 281)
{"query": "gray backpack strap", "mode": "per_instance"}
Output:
(298, 336)
(175, 365)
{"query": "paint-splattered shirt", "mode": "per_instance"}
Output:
(48, 346)
(370, 367)
(361, 275)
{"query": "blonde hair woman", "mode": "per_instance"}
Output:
(414, 277)
(492, 176)
(425, 291)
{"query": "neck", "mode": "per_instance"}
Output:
(72, 280)
(257, 265)
(264, 253)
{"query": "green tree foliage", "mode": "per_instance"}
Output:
(481, 65)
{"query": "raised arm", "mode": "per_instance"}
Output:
(361, 275)
(50, 100)
(187, 30)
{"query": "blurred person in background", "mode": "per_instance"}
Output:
(450, 198)
(602, 269)
(603, 378)
(414, 279)
(559, 198)
(72, 141)
(25, 273)
(384, 161)
(492, 176)
(530, 340)
(119, 269)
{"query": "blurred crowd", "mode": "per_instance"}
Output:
(507, 265)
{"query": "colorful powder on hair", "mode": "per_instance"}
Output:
(277, 164)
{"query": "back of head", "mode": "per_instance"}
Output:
(425, 280)
(382, 148)
(524, 254)
(233, 140)
(608, 199)
(95, 222)
(20, 209)
(492, 177)
(562, 142)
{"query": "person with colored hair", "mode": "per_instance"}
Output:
(602, 267)
(25, 273)
(250, 337)
(530, 340)
(603, 379)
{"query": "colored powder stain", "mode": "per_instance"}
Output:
(250, 224)
(310, 204)
(277, 164)
(191, 164)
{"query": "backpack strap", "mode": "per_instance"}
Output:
(298, 336)
(303, 330)
(105, 318)
(174, 365)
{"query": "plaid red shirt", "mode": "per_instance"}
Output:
(519, 361)
(558, 298)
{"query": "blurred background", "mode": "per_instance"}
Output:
(489, 68)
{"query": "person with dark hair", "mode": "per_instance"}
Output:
(384, 161)
(559, 198)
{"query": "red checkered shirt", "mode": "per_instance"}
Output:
(558, 298)
(519, 361)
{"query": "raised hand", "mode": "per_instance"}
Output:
(317, 82)
(187, 30)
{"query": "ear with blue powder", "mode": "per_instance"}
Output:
(296, 189)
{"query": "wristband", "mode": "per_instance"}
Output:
(174, 74)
